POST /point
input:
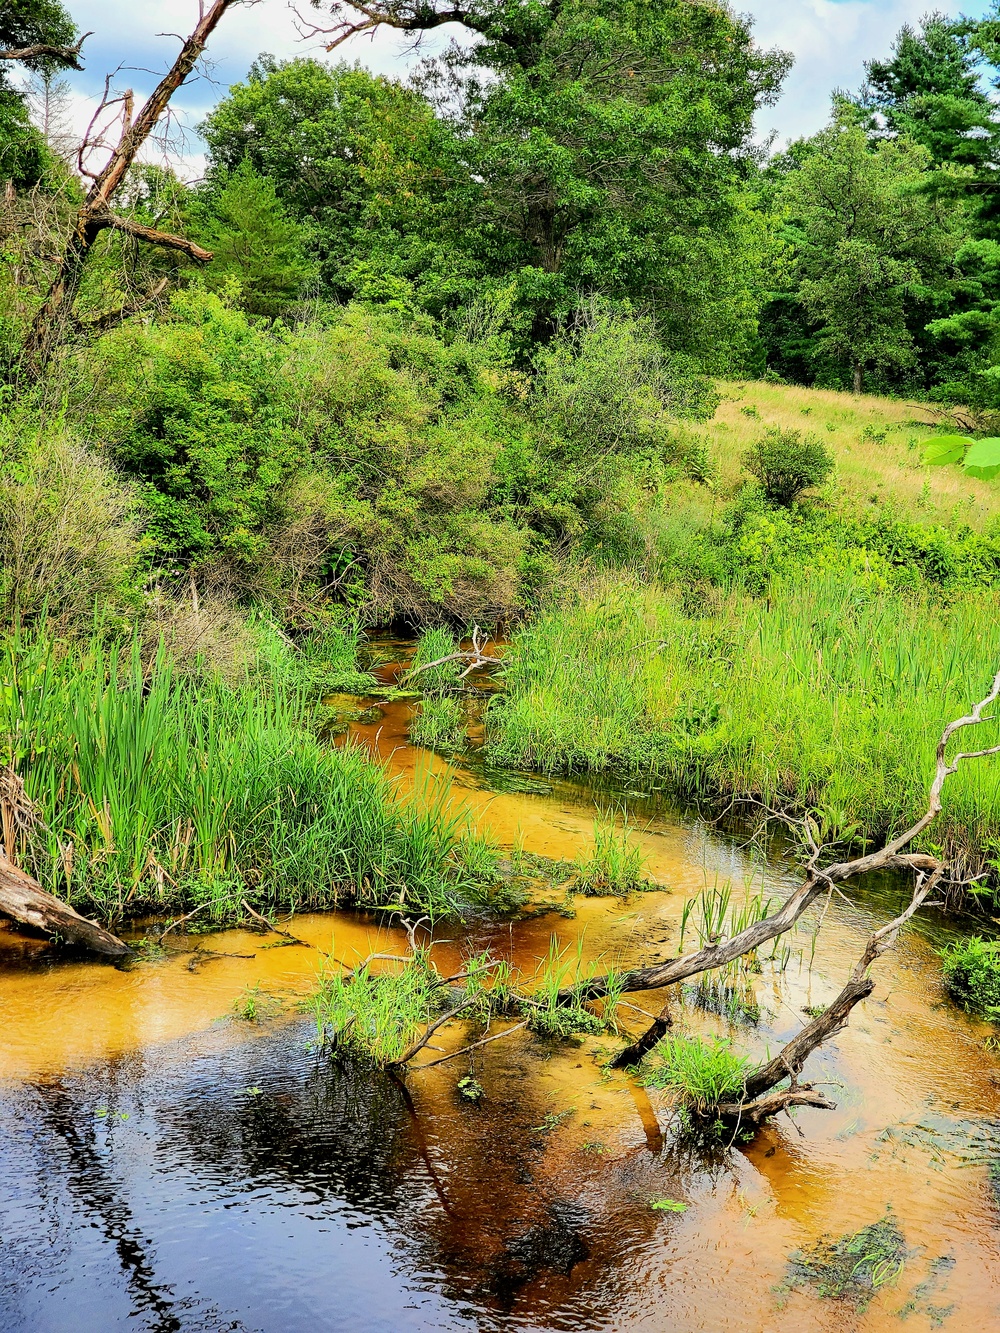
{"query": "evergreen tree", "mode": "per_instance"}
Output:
(243, 222)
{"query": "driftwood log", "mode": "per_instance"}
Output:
(23, 899)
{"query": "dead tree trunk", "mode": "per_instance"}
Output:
(24, 899)
(54, 317)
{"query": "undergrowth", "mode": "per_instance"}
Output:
(155, 791)
(972, 974)
(827, 694)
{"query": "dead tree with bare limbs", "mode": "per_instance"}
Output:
(763, 1095)
(122, 138)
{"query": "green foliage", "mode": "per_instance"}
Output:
(944, 449)
(702, 1074)
(156, 791)
(378, 1015)
(613, 865)
(439, 724)
(786, 464)
(69, 529)
(873, 249)
(854, 1267)
(971, 970)
(832, 693)
(255, 244)
(363, 161)
(25, 159)
(198, 411)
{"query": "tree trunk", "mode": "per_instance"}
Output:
(24, 899)
(857, 379)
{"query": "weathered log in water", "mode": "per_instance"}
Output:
(26, 902)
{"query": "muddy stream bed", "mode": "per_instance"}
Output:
(165, 1166)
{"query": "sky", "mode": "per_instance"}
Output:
(829, 39)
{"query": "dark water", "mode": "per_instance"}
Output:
(259, 1187)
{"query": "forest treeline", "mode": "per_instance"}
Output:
(452, 323)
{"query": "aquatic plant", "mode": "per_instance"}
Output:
(852, 1267)
(439, 724)
(702, 1074)
(378, 1015)
(971, 971)
(613, 864)
(829, 693)
(432, 645)
(156, 791)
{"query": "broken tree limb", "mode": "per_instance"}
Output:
(25, 901)
(55, 315)
(642, 1045)
(890, 857)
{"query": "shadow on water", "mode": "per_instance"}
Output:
(274, 1189)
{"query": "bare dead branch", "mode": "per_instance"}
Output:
(67, 55)
(891, 856)
(473, 1046)
(429, 1031)
(54, 315)
(151, 236)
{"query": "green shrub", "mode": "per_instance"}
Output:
(786, 464)
(972, 974)
(70, 542)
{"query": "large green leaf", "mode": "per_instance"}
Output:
(946, 449)
(983, 459)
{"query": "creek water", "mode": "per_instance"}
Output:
(165, 1166)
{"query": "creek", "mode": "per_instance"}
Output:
(165, 1166)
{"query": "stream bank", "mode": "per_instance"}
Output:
(172, 1167)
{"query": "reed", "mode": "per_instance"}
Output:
(825, 696)
(155, 791)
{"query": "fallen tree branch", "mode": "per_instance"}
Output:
(25, 901)
(890, 857)
(473, 1046)
(429, 1031)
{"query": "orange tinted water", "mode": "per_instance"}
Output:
(531, 1208)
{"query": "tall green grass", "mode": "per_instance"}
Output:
(157, 791)
(823, 696)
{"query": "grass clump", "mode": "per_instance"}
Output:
(702, 1074)
(854, 1267)
(432, 645)
(971, 971)
(613, 865)
(439, 724)
(378, 1016)
(155, 791)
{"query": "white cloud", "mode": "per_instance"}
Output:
(830, 40)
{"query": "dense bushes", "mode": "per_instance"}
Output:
(366, 457)
(972, 975)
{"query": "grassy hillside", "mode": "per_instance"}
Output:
(877, 443)
(805, 655)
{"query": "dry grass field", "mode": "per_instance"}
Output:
(877, 442)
